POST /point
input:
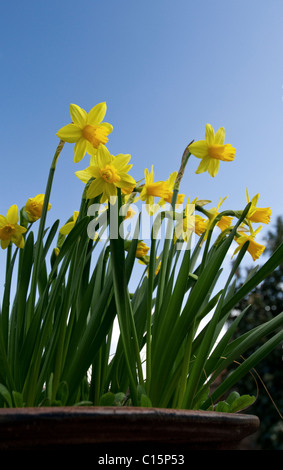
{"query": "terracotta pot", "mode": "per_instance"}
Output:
(115, 429)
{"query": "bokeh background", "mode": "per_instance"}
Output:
(165, 69)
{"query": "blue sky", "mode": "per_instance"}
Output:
(165, 69)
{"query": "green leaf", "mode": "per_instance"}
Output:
(4, 392)
(145, 401)
(18, 399)
(108, 399)
(241, 403)
(222, 406)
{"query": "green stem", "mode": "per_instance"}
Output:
(151, 271)
(38, 246)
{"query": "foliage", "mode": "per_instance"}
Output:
(72, 287)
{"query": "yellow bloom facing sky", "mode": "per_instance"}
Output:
(87, 130)
(33, 207)
(212, 150)
(109, 173)
(10, 231)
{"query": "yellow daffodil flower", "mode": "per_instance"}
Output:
(33, 207)
(213, 213)
(130, 213)
(142, 249)
(66, 229)
(109, 173)
(257, 214)
(87, 130)
(224, 222)
(189, 223)
(255, 249)
(10, 231)
(171, 182)
(151, 190)
(212, 150)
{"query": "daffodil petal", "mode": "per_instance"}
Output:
(78, 115)
(5, 244)
(199, 149)
(83, 175)
(120, 162)
(95, 189)
(69, 133)
(91, 150)
(149, 177)
(21, 229)
(103, 156)
(80, 150)
(220, 136)
(96, 114)
(13, 215)
(126, 181)
(203, 166)
(2, 220)
(213, 167)
(66, 229)
(209, 134)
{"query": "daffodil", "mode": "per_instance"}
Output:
(151, 190)
(33, 207)
(108, 173)
(213, 213)
(10, 231)
(171, 182)
(257, 214)
(224, 222)
(66, 229)
(142, 249)
(87, 130)
(212, 150)
(190, 222)
(255, 249)
(130, 213)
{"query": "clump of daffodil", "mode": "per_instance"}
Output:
(108, 173)
(150, 190)
(257, 214)
(66, 229)
(10, 231)
(212, 150)
(255, 249)
(87, 130)
(33, 207)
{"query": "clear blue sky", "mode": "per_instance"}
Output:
(165, 69)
